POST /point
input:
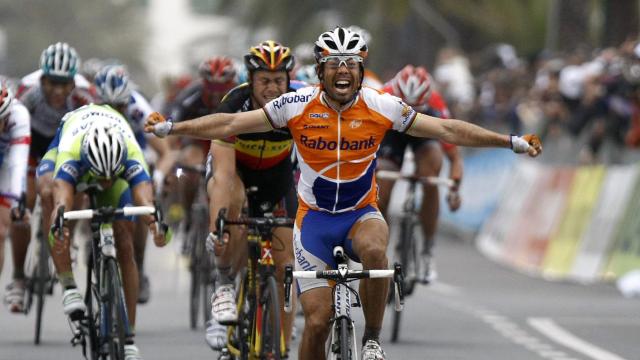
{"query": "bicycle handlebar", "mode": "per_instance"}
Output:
(430, 180)
(126, 211)
(343, 275)
(267, 221)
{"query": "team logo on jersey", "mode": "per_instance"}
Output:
(290, 99)
(69, 169)
(407, 114)
(322, 144)
(315, 126)
(318, 115)
(133, 171)
(354, 124)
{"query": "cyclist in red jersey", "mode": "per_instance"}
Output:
(413, 85)
(337, 128)
(201, 97)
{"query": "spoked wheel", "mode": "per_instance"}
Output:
(194, 300)
(406, 252)
(91, 300)
(271, 340)
(116, 310)
(40, 283)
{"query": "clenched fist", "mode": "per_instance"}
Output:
(157, 124)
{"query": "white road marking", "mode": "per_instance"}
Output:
(507, 328)
(556, 333)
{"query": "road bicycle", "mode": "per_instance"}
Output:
(105, 324)
(258, 333)
(342, 343)
(38, 268)
(406, 247)
(201, 262)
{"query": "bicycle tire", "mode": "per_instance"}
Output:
(406, 247)
(41, 279)
(194, 267)
(208, 286)
(116, 310)
(345, 329)
(271, 339)
(205, 261)
(92, 302)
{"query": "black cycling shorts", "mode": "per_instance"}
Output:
(395, 143)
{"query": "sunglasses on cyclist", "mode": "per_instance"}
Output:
(336, 61)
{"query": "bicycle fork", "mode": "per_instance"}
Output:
(339, 337)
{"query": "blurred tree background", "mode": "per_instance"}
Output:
(402, 31)
(102, 29)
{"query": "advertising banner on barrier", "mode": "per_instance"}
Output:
(598, 237)
(625, 254)
(567, 223)
(582, 199)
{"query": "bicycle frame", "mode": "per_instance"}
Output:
(342, 300)
(103, 265)
(260, 268)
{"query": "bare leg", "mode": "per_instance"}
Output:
(370, 244)
(283, 255)
(317, 314)
(122, 230)
(429, 163)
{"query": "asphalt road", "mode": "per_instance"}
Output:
(477, 310)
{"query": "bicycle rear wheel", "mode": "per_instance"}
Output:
(116, 310)
(40, 283)
(271, 338)
(194, 300)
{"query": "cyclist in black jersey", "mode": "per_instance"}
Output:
(240, 162)
(201, 97)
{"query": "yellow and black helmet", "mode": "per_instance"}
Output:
(269, 55)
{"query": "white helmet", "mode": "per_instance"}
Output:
(340, 42)
(307, 73)
(412, 85)
(6, 97)
(59, 60)
(103, 149)
(112, 83)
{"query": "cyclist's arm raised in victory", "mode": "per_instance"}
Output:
(213, 126)
(466, 134)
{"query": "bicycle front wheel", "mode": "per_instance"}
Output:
(116, 310)
(271, 339)
(345, 329)
(41, 281)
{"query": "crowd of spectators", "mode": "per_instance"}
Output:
(585, 103)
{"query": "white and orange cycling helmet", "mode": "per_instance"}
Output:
(413, 85)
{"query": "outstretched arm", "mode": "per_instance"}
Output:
(213, 126)
(467, 134)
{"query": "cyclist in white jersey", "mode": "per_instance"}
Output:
(15, 137)
(48, 101)
(337, 128)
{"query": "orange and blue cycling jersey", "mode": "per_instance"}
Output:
(337, 149)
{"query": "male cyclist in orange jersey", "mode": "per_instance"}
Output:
(413, 86)
(337, 128)
(262, 160)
